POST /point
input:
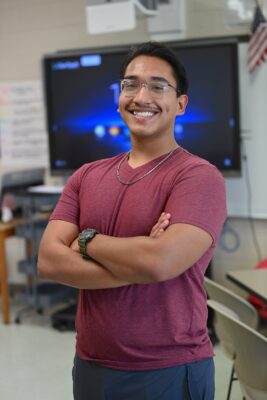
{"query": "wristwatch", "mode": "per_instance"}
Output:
(85, 237)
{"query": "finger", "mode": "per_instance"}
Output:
(162, 223)
(164, 216)
(153, 232)
(157, 224)
(159, 232)
(159, 228)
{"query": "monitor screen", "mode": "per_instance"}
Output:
(82, 92)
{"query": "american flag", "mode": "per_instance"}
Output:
(257, 46)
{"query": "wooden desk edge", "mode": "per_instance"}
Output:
(244, 287)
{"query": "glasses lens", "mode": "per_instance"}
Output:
(156, 89)
(130, 86)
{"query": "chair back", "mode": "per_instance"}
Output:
(250, 352)
(241, 307)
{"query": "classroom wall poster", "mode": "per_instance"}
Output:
(23, 138)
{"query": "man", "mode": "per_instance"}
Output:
(141, 319)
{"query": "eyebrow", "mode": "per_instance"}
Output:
(152, 78)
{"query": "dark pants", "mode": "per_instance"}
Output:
(192, 381)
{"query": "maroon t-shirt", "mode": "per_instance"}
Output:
(147, 326)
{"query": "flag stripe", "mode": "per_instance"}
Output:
(258, 54)
(257, 47)
(257, 62)
(259, 32)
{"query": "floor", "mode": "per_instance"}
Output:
(36, 362)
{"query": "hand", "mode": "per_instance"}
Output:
(74, 246)
(161, 225)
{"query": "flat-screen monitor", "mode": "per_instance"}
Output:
(82, 92)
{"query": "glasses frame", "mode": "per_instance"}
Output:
(146, 85)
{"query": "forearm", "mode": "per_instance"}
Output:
(136, 259)
(59, 263)
(145, 259)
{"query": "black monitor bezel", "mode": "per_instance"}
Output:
(175, 45)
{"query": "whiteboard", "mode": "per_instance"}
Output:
(253, 115)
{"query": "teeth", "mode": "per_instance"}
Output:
(143, 113)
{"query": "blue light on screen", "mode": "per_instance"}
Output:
(100, 131)
(227, 162)
(232, 122)
(60, 65)
(90, 60)
(179, 131)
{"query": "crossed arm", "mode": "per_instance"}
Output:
(165, 254)
(59, 258)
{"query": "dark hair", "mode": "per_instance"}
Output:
(159, 50)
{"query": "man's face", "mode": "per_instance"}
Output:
(146, 114)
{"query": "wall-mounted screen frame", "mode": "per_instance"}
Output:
(81, 98)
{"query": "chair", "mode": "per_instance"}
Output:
(250, 352)
(240, 309)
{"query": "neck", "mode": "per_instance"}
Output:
(144, 151)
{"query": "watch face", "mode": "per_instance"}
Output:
(84, 237)
(88, 233)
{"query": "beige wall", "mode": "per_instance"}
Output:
(31, 28)
(205, 18)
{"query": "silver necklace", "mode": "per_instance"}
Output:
(130, 182)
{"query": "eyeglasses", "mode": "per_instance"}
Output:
(156, 89)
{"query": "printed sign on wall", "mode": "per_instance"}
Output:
(23, 138)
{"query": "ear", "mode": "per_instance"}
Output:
(181, 104)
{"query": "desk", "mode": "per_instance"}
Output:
(253, 281)
(8, 230)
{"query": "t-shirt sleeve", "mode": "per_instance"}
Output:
(67, 208)
(198, 198)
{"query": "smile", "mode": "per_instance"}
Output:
(143, 115)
